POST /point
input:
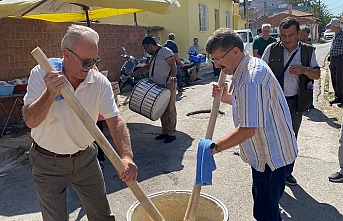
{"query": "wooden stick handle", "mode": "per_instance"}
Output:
(113, 157)
(194, 199)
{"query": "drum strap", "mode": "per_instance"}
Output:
(153, 59)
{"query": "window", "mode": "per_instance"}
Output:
(203, 17)
(228, 19)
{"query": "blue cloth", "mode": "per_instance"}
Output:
(205, 163)
(57, 63)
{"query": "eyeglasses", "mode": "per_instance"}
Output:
(218, 61)
(87, 64)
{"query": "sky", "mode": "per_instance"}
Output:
(335, 6)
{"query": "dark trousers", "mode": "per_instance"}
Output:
(179, 76)
(296, 122)
(216, 71)
(101, 155)
(267, 189)
(336, 69)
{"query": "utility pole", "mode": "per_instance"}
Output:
(246, 13)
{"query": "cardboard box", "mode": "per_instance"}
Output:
(116, 91)
(115, 88)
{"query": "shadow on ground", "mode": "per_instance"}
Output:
(152, 157)
(304, 207)
(318, 116)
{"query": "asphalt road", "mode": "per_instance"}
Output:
(172, 166)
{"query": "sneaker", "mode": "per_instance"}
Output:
(290, 180)
(161, 137)
(101, 164)
(169, 139)
(336, 177)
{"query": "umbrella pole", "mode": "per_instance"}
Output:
(135, 18)
(86, 8)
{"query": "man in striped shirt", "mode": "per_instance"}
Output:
(336, 69)
(263, 124)
(336, 60)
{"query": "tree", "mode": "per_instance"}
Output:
(320, 11)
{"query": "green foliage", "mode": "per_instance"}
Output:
(320, 11)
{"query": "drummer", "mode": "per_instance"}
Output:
(162, 71)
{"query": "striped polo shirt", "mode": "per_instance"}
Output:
(258, 102)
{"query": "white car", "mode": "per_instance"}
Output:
(247, 38)
(328, 34)
(276, 36)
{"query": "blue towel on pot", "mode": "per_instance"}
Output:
(205, 163)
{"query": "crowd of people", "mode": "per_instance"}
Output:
(270, 91)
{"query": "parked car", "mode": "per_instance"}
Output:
(328, 34)
(276, 36)
(247, 38)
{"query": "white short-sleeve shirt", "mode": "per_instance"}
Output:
(62, 131)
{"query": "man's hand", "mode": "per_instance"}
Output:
(226, 97)
(54, 82)
(173, 79)
(296, 69)
(130, 170)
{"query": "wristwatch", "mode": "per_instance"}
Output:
(213, 148)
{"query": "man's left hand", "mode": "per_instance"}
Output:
(296, 69)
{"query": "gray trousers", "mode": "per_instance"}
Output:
(52, 176)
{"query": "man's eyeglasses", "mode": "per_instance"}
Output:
(218, 61)
(87, 64)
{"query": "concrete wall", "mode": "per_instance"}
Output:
(18, 37)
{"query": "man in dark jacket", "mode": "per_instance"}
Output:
(295, 66)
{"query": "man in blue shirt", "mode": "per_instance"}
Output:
(172, 46)
(263, 124)
(194, 49)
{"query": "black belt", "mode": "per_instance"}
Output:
(52, 154)
(292, 97)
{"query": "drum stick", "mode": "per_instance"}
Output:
(194, 199)
(105, 145)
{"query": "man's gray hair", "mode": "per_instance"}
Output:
(266, 25)
(224, 39)
(77, 32)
